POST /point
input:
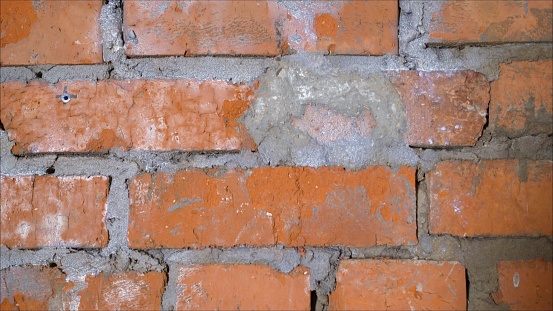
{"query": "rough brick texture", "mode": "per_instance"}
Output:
(465, 22)
(267, 206)
(443, 108)
(241, 287)
(126, 291)
(137, 114)
(522, 99)
(41, 211)
(45, 32)
(494, 197)
(32, 288)
(266, 28)
(399, 285)
(525, 285)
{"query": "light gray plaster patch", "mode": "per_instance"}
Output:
(287, 90)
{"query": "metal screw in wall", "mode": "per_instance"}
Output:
(66, 97)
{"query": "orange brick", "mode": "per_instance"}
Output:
(522, 99)
(50, 32)
(344, 27)
(265, 28)
(268, 206)
(241, 287)
(495, 197)
(32, 288)
(443, 108)
(399, 285)
(135, 114)
(465, 22)
(41, 211)
(525, 285)
(126, 291)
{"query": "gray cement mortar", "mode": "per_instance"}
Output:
(288, 84)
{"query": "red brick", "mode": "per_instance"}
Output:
(155, 115)
(522, 99)
(41, 211)
(268, 206)
(241, 287)
(32, 288)
(399, 285)
(443, 108)
(345, 27)
(265, 28)
(525, 285)
(465, 22)
(50, 32)
(126, 291)
(494, 197)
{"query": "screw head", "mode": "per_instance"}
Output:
(65, 98)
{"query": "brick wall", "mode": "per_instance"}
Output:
(326, 155)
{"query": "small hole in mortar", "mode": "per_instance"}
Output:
(52, 265)
(50, 170)
(39, 74)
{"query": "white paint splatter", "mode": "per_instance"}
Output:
(516, 279)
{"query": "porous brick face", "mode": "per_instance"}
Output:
(522, 99)
(493, 197)
(265, 28)
(45, 32)
(443, 108)
(525, 285)
(32, 288)
(465, 22)
(156, 115)
(244, 287)
(268, 206)
(42, 288)
(39, 211)
(399, 285)
(125, 291)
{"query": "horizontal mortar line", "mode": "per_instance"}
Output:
(198, 256)
(477, 44)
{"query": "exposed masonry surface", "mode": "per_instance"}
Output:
(295, 94)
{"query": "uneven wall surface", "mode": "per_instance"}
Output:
(288, 155)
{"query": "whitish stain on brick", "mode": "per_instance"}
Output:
(23, 229)
(125, 292)
(327, 126)
(52, 227)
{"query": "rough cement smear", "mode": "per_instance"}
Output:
(279, 126)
